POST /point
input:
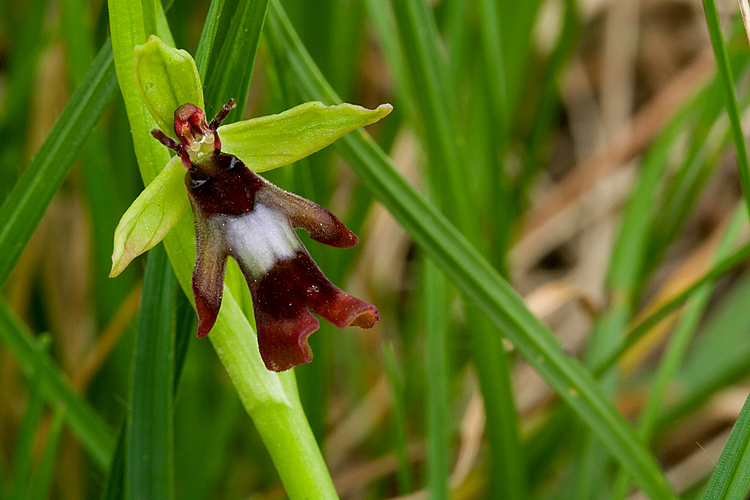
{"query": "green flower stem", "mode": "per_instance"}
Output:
(270, 399)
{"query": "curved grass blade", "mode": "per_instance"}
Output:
(25, 205)
(719, 358)
(476, 278)
(643, 326)
(85, 423)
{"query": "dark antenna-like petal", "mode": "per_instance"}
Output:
(322, 225)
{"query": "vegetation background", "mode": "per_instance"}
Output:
(588, 152)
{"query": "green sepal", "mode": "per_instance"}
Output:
(166, 79)
(273, 141)
(151, 216)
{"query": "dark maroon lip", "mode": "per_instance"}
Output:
(283, 301)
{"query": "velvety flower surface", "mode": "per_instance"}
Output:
(237, 213)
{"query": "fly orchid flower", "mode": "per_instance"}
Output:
(237, 213)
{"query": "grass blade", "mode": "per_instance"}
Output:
(495, 64)
(732, 475)
(208, 35)
(186, 324)
(41, 482)
(85, 423)
(234, 66)
(25, 205)
(114, 487)
(26, 46)
(399, 417)
(719, 358)
(644, 325)
(22, 459)
(150, 430)
(730, 96)
(436, 377)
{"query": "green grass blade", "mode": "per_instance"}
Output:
(541, 128)
(85, 423)
(41, 482)
(489, 20)
(436, 377)
(425, 75)
(509, 476)
(114, 487)
(677, 347)
(208, 35)
(732, 475)
(103, 187)
(719, 358)
(234, 66)
(25, 205)
(186, 324)
(25, 47)
(730, 96)
(476, 278)
(396, 387)
(150, 430)
(22, 459)
(516, 21)
(3, 479)
(381, 16)
(636, 332)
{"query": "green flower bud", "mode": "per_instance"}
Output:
(166, 78)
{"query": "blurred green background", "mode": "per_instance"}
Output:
(582, 148)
